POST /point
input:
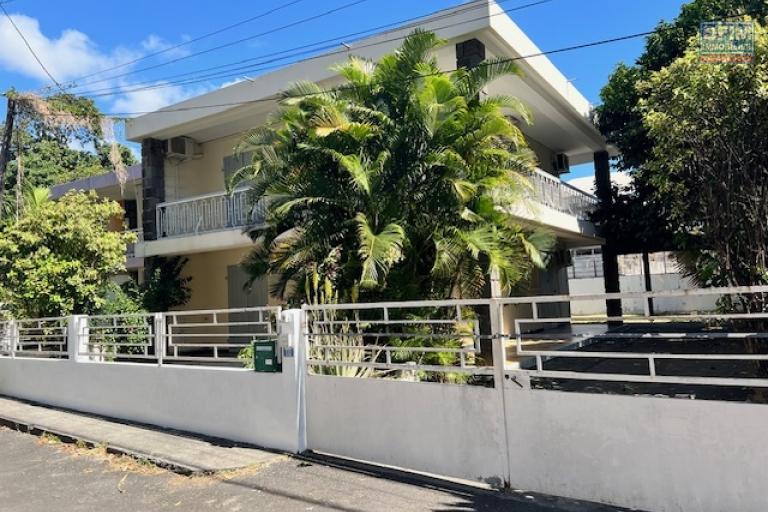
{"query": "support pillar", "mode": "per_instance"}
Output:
(152, 184)
(610, 254)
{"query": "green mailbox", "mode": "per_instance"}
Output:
(265, 356)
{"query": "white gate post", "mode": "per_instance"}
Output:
(158, 320)
(499, 376)
(13, 337)
(77, 337)
(292, 343)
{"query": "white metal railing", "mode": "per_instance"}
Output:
(126, 337)
(216, 336)
(388, 338)
(37, 337)
(430, 339)
(561, 196)
(206, 213)
(534, 327)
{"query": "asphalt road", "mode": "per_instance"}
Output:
(39, 475)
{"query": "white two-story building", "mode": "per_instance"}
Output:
(177, 198)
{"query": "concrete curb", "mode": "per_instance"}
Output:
(114, 449)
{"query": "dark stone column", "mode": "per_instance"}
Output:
(152, 185)
(469, 53)
(610, 254)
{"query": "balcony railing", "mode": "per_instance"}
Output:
(204, 214)
(220, 211)
(561, 196)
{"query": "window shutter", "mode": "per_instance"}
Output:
(233, 163)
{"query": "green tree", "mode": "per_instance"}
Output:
(58, 257)
(406, 175)
(58, 139)
(165, 286)
(638, 219)
(709, 163)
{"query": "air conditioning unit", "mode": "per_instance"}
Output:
(561, 163)
(181, 148)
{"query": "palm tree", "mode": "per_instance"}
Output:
(405, 178)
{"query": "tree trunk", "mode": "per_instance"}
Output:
(5, 151)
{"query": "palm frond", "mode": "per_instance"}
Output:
(378, 251)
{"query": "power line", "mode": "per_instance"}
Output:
(299, 51)
(190, 41)
(476, 4)
(285, 95)
(29, 47)
(233, 43)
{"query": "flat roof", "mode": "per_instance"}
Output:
(562, 115)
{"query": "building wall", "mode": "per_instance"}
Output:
(210, 283)
(199, 176)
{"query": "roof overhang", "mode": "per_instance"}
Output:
(562, 115)
(102, 182)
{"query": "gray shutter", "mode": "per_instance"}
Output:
(233, 163)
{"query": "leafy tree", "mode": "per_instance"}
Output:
(58, 139)
(638, 219)
(406, 176)
(164, 286)
(709, 162)
(58, 257)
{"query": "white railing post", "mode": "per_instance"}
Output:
(159, 338)
(77, 337)
(293, 351)
(13, 337)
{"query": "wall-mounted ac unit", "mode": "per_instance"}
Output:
(181, 148)
(561, 164)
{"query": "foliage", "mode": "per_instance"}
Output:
(164, 286)
(58, 257)
(408, 173)
(58, 139)
(638, 219)
(619, 117)
(709, 164)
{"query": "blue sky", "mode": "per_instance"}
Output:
(80, 37)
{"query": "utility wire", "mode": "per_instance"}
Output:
(189, 41)
(29, 47)
(286, 95)
(298, 51)
(236, 42)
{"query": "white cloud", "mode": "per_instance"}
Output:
(73, 54)
(148, 100)
(67, 56)
(154, 43)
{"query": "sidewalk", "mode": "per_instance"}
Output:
(179, 453)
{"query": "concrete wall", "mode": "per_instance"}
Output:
(438, 428)
(229, 403)
(665, 455)
(210, 285)
(646, 453)
(636, 283)
(198, 176)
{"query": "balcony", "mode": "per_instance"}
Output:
(206, 214)
(554, 193)
(561, 204)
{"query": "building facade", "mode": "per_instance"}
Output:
(177, 201)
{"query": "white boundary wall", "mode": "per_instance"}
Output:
(447, 429)
(636, 283)
(649, 453)
(235, 404)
